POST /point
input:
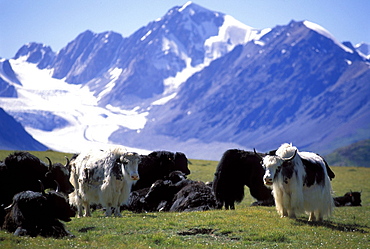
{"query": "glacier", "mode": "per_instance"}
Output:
(87, 124)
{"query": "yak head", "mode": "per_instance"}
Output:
(57, 204)
(130, 164)
(272, 165)
(60, 173)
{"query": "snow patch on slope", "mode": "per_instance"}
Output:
(114, 75)
(88, 125)
(230, 34)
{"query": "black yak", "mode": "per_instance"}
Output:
(38, 213)
(196, 196)
(236, 169)
(22, 171)
(174, 193)
(159, 164)
(349, 199)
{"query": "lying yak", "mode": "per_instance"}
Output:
(159, 164)
(349, 199)
(22, 171)
(38, 213)
(174, 193)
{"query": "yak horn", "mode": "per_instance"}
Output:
(290, 158)
(50, 164)
(258, 155)
(9, 207)
(58, 186)
(42, 187)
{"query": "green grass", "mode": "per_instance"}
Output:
(245, 227)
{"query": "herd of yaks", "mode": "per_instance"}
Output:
(295, 182)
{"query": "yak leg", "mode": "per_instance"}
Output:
(108, 211)
(229, 205)
(21, 232)
(319, 216)
(291, 214)
(87, 209)
(79, 211)
(312, 216)
(117, 212)
(284, 213)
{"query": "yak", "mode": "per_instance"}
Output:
(22, 171)
(159, 164)
(297, 187)
(236, 169)
(174, 193)
(103, 177)
(349, 199)
(38, 213)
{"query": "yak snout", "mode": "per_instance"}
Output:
(268, 180)
(135, 177)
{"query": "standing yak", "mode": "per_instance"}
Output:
(103, 177)
(299, 187)
(236, 169)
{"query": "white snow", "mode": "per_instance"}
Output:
(164, 100)
(146, 35)
(173, 83)
(185, 6)
(230, 34)
(326, 33)
(89, 124)
(169, 46)
(114, 74)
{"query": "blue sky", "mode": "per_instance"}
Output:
(57, 22)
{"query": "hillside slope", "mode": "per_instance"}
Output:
(357, 154)
(14, 137)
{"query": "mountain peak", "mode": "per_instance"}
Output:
(322, 31)
(190, 7)
(36, 53)
(194, 11)
(363, 48)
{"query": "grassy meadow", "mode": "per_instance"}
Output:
(245, 227)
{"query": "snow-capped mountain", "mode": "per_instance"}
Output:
(154, 60)
(36, 53)
(196, 81)
(296, 84)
